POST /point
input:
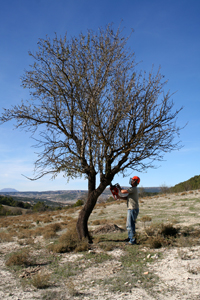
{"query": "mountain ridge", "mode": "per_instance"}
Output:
(9, 190)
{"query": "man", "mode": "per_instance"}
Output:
(133, 208)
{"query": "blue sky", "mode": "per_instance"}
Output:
(166, 34)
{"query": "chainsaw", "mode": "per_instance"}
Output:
(115, 190)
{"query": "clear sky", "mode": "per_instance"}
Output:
(166, 34)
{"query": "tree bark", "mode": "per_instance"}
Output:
(82, 223)
(93, 194)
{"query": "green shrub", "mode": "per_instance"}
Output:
(7, 200)
(191, 184)
(40, 206)
(79, 203)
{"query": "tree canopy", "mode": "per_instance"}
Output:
(95, 113)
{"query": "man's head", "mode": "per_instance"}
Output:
(134, 181)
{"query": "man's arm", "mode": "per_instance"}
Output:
(124, 197)
(124, 191)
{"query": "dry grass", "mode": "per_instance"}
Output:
(5, 237)
(166, 234)
(48, 231)
(69, 241)
(37, 230)
(25, 234)
(71, 288)
(47, 219)
(156, 242)
(145, 219)
(26, 241)
(54, 227)
(41, 281)
(167, 230)
(26, 230)
(50, 234)
(20, 258)
(100, 222)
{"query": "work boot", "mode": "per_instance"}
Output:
(131, 243)
(127, 240)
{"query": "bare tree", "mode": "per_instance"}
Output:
(164, 189)
(94, 113)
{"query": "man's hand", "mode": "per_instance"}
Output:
(124, 191)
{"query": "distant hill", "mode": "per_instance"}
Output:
(8, 190)
(191, 184)
(61, 196)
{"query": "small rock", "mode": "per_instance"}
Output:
(155, 256)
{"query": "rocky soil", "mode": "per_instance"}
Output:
(175, 271)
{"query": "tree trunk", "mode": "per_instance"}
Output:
(93, 194)
(82, 227)
(82, 223)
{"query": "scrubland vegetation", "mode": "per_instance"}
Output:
(9, 206)
(191, 184)
(39, 243)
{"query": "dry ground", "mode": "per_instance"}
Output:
(109, 269)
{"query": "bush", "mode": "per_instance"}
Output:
(5, 237)
(155, 242)
(69, 241)
(159, 235)
(168, 230)
(49, 234)
(41, 281)
(79, 203)
(100, 222)
(11, 202)
(82, 246)
(145, 219)
(40, 206)
(21, 258)
(54, 227)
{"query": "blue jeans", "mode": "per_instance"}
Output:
(130, 224)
